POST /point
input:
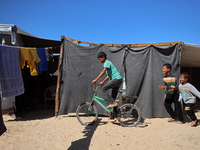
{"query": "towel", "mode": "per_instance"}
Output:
(42, 65)
(11, 81)
(29, 55)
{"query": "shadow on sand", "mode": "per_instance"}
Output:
(36, 114)
(84, 143)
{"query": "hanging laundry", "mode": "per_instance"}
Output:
(42, 65)
(47, 54)
(51, 53)
(29, 55)
(11, 81)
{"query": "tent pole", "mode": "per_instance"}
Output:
(58, 81)
(128, 45)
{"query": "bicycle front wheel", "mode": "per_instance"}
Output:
(87, 114)
(129, 115)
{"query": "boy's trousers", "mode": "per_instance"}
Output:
(114, 85)
(189, 109)
(177, 112)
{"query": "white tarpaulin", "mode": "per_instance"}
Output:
(190, 55)
(8, 102)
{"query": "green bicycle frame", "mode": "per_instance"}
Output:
(98, 99)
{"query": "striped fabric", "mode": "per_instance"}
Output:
(11, 81)
(171, 82)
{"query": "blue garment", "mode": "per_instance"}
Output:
(42, 65)
(11, 81)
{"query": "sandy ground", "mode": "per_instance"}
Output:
(40, 130)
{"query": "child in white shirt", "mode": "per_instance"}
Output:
(187, 94)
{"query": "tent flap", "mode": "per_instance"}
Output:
(190, 54)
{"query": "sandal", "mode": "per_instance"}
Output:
(194, 124)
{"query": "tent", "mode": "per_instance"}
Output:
(140, 63)
(13, 35)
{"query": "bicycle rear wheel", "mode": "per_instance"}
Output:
(86, 113)
(129, 115)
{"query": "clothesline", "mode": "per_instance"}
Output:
(13, 59)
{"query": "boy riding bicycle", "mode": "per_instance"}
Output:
(112, 74)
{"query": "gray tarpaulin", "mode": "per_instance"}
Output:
(143, 70)
(79, 66)
(144, 75)
(2, 126)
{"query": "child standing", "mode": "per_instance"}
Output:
(171, 94)
(112, 74)
(188, 93)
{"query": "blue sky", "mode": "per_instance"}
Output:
(107, 21)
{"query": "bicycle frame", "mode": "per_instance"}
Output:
(128, 115)
(98, 99)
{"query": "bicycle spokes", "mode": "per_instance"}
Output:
(129, 115)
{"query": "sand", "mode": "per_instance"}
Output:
(41, 130)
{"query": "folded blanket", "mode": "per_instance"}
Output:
(42, 65)
(11, 81)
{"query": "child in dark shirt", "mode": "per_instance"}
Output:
(171, 95)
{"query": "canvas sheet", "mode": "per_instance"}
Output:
(8, 102)
(144, 75)
(79, 66)
(142, 69)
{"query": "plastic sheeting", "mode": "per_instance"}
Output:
(8, 102)
(190, 54)
(2, 126)
(142, 68)
(20, 37)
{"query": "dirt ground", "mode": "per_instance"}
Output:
(41, 130)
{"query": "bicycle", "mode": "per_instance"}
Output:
(128, 114)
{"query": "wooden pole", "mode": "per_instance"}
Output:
(58, 81)
(128, 45)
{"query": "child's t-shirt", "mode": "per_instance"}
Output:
(111, 70)
(188, 93)
(170, 80)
